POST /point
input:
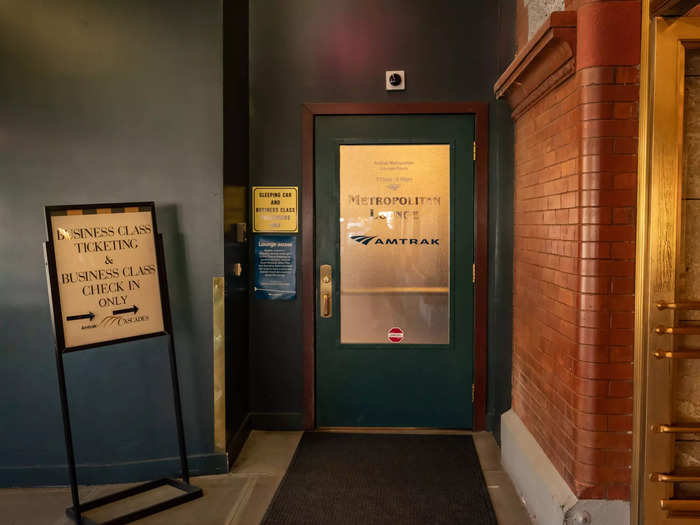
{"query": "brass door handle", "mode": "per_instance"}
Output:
(679, 353)
(678, 330)
(687, 305)
(326, 306)
(680, 505)
(676, 429)
(326, 291)
(663, 477)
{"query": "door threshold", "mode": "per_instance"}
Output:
(396, 430)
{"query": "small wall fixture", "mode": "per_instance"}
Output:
(395, 80)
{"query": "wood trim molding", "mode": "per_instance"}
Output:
(481, 112)
(671, 7)
(308, 248)
(547, 60)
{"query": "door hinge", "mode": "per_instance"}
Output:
(474, 150)
(473, 273)
(473, 392)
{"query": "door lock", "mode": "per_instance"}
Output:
(326, 291)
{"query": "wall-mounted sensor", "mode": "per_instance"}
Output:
(395, 80)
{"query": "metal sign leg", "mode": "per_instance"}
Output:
(70, 455)
(173, 364)
(178, 412)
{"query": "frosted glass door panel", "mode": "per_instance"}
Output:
(395, 243)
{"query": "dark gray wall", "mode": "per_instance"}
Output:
(337, 51)
(108, 101)
(501, 160)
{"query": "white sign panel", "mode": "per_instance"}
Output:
(106, 273)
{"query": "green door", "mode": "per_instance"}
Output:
(394, 253)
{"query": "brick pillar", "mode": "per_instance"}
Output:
(576, 131)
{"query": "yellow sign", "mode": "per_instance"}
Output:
(275, 209)
(106, 276)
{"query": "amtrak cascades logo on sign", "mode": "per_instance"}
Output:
(365, 239)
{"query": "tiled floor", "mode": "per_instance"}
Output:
(238, 498)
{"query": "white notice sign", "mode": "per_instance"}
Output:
(106, 273)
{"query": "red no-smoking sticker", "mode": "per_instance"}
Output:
(395, 334)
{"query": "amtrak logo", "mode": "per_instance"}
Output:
(365, 239)
(362, 239)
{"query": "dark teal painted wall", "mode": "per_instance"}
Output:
(337, 51)
(113, 100)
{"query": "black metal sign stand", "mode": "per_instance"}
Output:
(189, 492)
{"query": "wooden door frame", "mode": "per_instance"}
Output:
(480, 110)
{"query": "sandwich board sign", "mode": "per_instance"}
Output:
(105, 274)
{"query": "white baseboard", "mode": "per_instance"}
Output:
(546, 495)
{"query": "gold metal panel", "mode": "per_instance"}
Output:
(658, 239)
(219, 365)
(235, 205)
(640, 323)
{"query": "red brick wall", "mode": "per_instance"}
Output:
(575, 195)
(521, 16)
